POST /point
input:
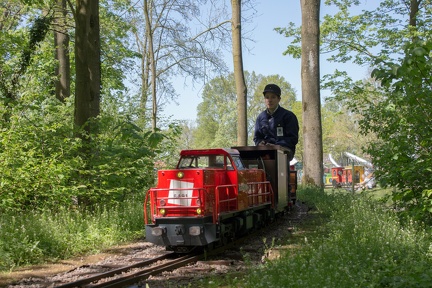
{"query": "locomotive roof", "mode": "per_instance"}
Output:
(210, 151)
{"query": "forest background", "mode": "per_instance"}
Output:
(56, 154)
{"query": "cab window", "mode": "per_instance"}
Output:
(238, 162)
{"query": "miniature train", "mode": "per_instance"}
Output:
(343, 176)
(216, 195)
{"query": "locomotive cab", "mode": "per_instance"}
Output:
(208, 199)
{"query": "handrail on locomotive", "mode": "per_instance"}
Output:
(218, 194)
(256, 189)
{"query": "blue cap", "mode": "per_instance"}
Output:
(272, 88)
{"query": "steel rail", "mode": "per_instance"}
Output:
(88, 280)
(144, 274)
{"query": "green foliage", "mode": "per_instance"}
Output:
(216, 114)
(402, 121)
(167, 149)
(36, 158)
(18, 41)
(121, 162)
(37, 34)
(42, 166)
(117, 59)
(361, 36)
(364, 246)
(38, 236)
(341, 131)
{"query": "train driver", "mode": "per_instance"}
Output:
(276, 125)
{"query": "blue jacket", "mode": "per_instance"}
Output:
(281, 128)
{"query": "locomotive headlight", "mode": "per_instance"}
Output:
(180, 175)
(158, 231)
(162, 211)
(194, 230)
(162, 202)
(199, 211)
(198, 202)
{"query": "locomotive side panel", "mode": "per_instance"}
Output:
(283, 197)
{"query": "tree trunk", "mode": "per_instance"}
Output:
(240, 82)
(61, 42)
(145, 85)
(414, 8)
(152, 64)
(310, 75)
(87, 62)
(145, 71)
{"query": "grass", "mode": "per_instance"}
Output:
(38, 237)
(361, 244)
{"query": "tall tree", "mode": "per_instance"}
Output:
(241, 89)
(310, 75)
(61, 44)
(151, 61)
(216, 114)
(87, 65)
(177, 49)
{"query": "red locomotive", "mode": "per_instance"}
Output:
(215, 195)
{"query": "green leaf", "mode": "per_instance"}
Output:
(419, 51)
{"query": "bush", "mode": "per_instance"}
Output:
(42, 165)
(402, 153)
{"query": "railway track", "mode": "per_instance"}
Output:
(134, 273)
(123, 273)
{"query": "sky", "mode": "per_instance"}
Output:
(265, 57)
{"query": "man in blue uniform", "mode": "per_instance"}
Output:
(276, 125)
